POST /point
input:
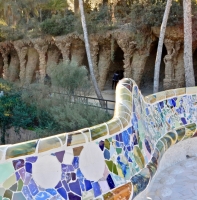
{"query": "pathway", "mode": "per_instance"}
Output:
(178, 182)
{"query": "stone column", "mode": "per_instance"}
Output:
(170, 61)
(41, 48)
(128, 48)
(65, 48)
(104, 64)
(14, 66)
(4, 52)
(138, 65)
(22, 52)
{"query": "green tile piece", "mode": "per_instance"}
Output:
(1, 197)
(8, 194)
(18, 196)
(98, 131)
(110, 139)
(6, 170)
(14, 187)
(20, 185)
(119, 150)
(21, 149)
(115, 169)
(180, 133)
(109, 164)
(10, 181)
(107, 144)
(108, 196)
(139, 158)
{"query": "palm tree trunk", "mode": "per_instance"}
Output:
(188, 61)
(85, 32)
(160, 46)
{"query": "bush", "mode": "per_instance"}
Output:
(72, 78)
(56, 25)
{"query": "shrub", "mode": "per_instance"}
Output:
(58, 25)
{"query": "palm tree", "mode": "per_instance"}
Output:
(87, 46)
(188, 61)
(160, 46)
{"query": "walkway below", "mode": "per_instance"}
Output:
(177, 182)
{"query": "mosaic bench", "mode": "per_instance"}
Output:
(110, 161)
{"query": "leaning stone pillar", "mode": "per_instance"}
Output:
(64, 46)
(4, 52)
(170, 61)
(41, 48)
(22, 52)
(128, 48)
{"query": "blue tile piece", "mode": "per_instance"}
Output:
(147, 111)
(96, 189)
(106, 154)
(101, 145)
(135, 142)
(75, 187)
(110, 182)
(28, 167)
(88, 185)
(183, 120)
(81, 183)
(17, 176)
(33, 187)
(147, 146)
(62, 192)
(75, 162)
(18, 163)
(161, 104)
(42, 196)
(58, 185)
(117, 144)
(125, 137)
(79, 174)
(32, 159)
(72, 196)
(129, 130)
(27, 193)
(67, 168)
(51, 191)
(60, 155)
(66, 186)
(120, 137)
(68, 177)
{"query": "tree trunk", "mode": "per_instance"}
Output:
(188, 61)
(83, 21)
(160, 46)
(76, 6)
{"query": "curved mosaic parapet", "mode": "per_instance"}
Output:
(113, 160)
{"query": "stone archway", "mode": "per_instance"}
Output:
(32, 65)
(53, 57)
(14, 65)
(146, 83)
(116, 65)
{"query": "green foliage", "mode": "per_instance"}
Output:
(14, 112)
(71, 77)
(67, 112)
(58, 25)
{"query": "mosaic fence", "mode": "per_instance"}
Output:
(110, 161)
